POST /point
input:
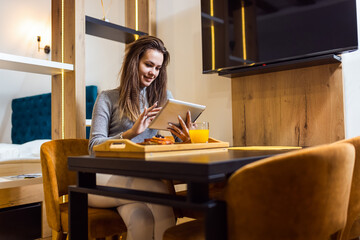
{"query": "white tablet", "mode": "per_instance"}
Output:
(172, 108)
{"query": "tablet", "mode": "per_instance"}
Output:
(169, 113)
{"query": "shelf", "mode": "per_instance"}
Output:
(100, 28)
(280, 66)
(33, 65)
(19, 181)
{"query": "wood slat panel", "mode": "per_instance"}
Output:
(80, 83)
(300, 107)
(152, 17)
(146, 15)
(56, 113)
(74, 82)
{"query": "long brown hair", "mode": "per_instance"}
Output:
(129, 89)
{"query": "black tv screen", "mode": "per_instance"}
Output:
(239, 34)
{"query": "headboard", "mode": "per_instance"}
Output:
(31, 116)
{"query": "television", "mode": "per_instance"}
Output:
(246, 35)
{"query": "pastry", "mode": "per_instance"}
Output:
(158, 140)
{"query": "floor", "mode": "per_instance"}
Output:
(180, 220)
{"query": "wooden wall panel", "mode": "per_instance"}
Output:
(74, 82)
(152, 17)
(301, 107)
(146, 15)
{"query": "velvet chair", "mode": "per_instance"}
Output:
(56, 179)
(352, 228)
(298, 195)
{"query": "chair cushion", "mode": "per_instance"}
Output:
(102, 221)
(216, 191)
(192, 230)
(355, 229)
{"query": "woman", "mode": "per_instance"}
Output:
(126, 112)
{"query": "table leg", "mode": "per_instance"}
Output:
(198, 192)
(78, 207)
(215, 215)
(78, 215)
(216, 221)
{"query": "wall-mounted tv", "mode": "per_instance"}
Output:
(243, 34)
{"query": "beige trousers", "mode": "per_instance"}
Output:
(144, 221)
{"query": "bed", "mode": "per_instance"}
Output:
(20, 167)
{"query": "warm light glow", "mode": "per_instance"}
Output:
(212, 28)
(136, 18)
(212, 46)
(243, 29)
(62, 74)
(29, 29)
(257, 148)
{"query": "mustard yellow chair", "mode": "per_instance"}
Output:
(56, 179)
(352, 228)
(298, 195)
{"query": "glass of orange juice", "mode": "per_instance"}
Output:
(199, 132)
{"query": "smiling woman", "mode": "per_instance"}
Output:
(126, 112)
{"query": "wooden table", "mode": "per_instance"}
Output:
(196, 170)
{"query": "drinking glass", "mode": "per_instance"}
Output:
(199, 132)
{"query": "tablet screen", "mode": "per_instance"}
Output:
(170, 111)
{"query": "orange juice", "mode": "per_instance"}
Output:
(199, 135)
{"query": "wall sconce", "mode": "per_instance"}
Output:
(46, 48)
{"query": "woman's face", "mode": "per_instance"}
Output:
(149, 66)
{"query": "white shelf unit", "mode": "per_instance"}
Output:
(33, 65)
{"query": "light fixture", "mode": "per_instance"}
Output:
(46, 48)
(104, 18)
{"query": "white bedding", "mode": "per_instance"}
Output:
(29, 151)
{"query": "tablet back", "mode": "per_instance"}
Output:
(173, 108)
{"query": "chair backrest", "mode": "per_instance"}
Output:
(354, 201)
(56, 176)
(297, 195)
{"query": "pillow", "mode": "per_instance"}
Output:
(8, 151)
(32, 148)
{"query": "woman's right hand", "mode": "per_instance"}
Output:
(143, 122)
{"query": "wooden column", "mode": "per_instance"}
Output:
(300, 107)
(146, 15)
(68, 91)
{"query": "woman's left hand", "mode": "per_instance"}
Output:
(182, 132)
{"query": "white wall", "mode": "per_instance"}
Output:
(20, 23)
(104, 57)
(351, 78)
(179, 26)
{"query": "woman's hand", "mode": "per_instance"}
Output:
(143, 122)
(182, 132)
